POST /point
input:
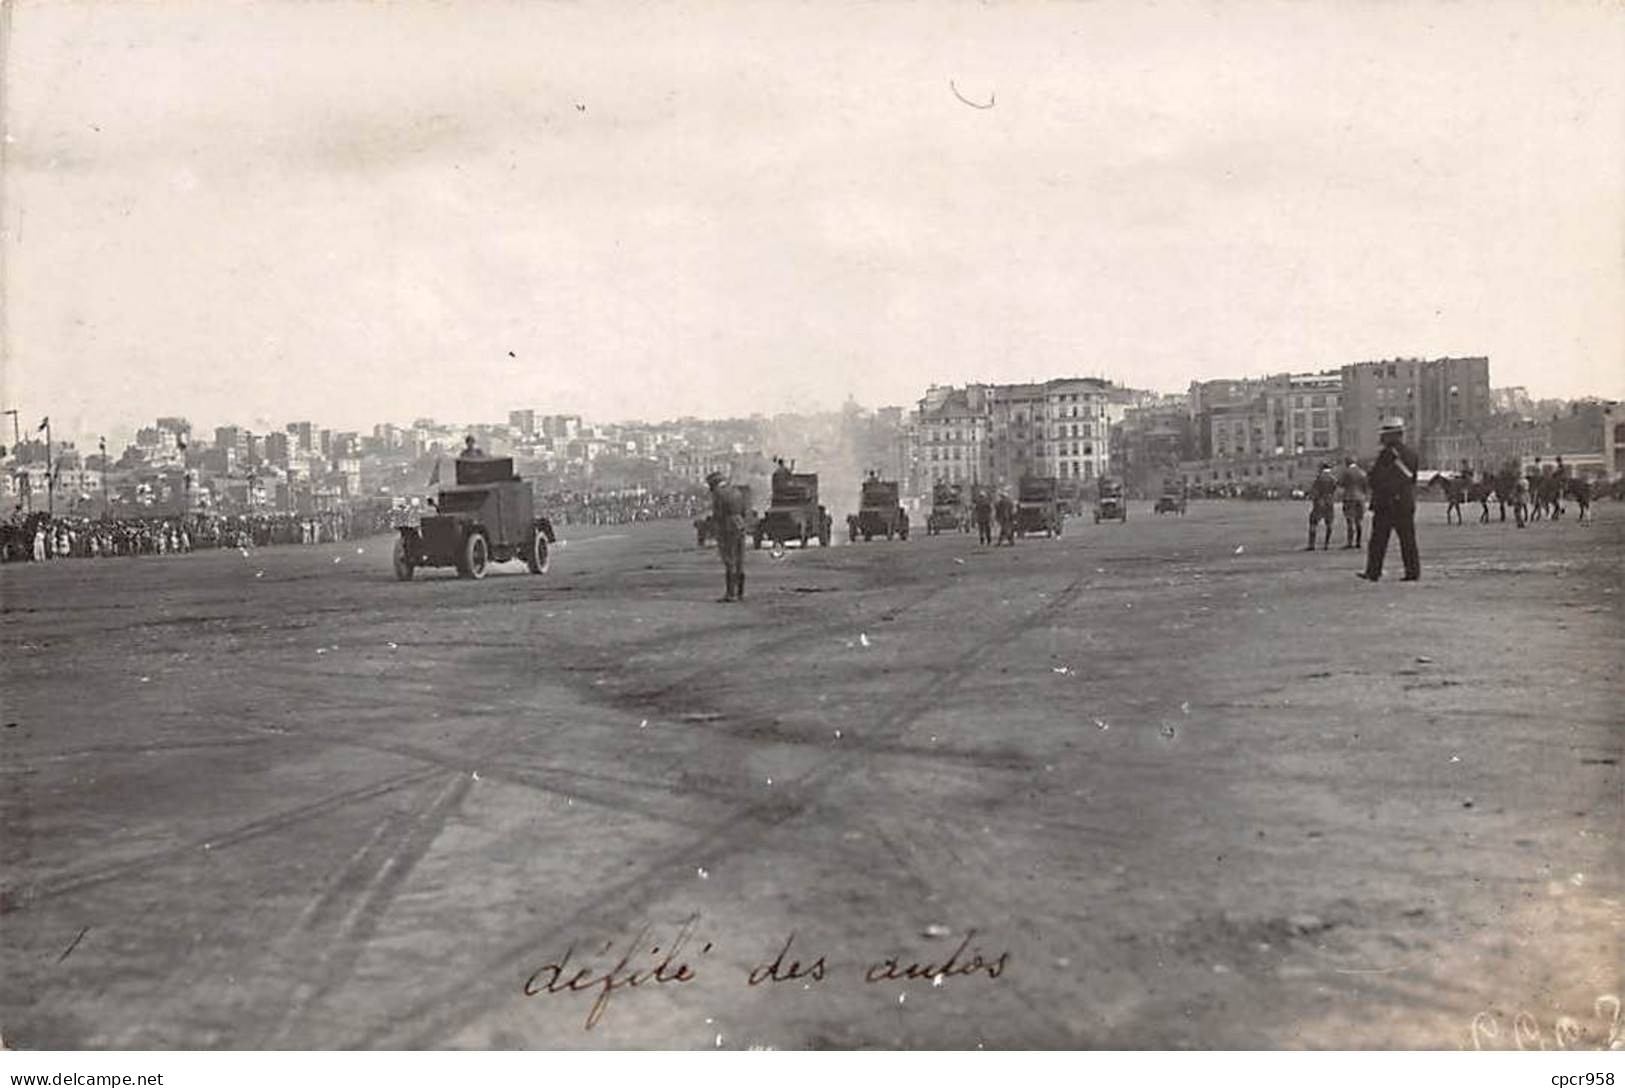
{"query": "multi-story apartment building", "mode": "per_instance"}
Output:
(1434, 397)
(995, 434)
(950, 438)
(1276, 416)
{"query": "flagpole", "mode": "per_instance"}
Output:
(50, 473)
(103, 443)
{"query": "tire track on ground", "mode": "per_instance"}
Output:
(429, 1020)
(24, 895)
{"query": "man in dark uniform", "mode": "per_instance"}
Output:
(1005, 512)
(982, 508)
(1393, 503)
(1321, 492)
(471, 451)
(728, 514)
(1353, 484)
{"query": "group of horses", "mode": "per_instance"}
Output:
(1533, 497)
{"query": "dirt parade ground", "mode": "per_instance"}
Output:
(1170, 783)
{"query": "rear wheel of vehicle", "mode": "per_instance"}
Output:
(475, 556)
(403, 562)
(539, 555)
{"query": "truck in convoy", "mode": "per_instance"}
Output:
(1038, 506)
(488, 516)
(879, 512)
(1173, 498)
(794, 513)
(950, 511)
(1110, 505)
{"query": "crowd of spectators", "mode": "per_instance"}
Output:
(39, 536)
(620, 508)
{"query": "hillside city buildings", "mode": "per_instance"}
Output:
(1235, 434)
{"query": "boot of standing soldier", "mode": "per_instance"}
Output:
(739, 584)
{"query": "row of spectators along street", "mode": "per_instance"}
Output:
(39, 536)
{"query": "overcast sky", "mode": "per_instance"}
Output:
(359, 212)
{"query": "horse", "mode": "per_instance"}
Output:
(1479, 491)
(1454, 492)
(1579, 489)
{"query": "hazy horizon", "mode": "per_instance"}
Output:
(355, 213)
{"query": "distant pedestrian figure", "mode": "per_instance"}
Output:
(1321, 494)
(982, 509)
(1355, 491)
(471, 450)
(1520, 501)
(728, 514)
(1393, 503)
(1005, 512)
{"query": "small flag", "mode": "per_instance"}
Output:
(44, 423)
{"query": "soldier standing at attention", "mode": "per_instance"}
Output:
(1321, 492)
(1393, 503)
(983, 509)
(1354, 495)
(728, 514)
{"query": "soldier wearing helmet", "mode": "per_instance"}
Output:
(1393, 502)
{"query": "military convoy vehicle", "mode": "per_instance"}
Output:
(1172, 500)
(486, 517)
(794, 513)
(879, 512)
(950, 510)
(1110, 505)
(1038, 506)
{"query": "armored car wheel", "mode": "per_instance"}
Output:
(403, 563)
(539, 555)
(475, 556)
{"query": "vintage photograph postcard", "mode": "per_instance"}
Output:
(812, 526)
